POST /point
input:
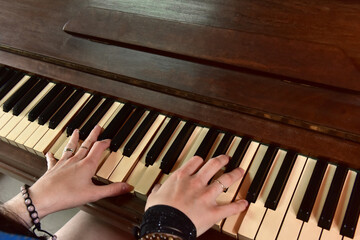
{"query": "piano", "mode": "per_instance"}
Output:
(273, 84)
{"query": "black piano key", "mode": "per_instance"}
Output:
(117, 122)
(30, 96)
(281, 180)
(10, 83)
(121, 136)
(2, 71)
(312, 189)
(207, 143)
(18, 94)
(95, 118)
(140, 132)
(238, 155)
(84, 113)
(51, 109)
(261, 174)
(176, 148)
(160, 142)
(224, 145)
(332, 199)
(45, 101)
(65, 109)
(349, 223)
(6, 76)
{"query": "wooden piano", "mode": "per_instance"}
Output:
(284, 74)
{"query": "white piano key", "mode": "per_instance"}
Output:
(291, 226)
(15, 120)
(334, 232)
(123, 169)
(183, 157)
(114, 158)
(310, 229)
(273, 219)
(51, 135)
(233, 223)
(153, 172)
(141, 167)
(256, 211)
(229, 196)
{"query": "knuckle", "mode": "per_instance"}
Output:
(216, 162)
(179, 174)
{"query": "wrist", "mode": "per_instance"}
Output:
(167, 221)
(16, 209)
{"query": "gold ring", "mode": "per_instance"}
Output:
(69, 150)
(84, 147)
(222, 185)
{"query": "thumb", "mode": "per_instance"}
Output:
(113, 189)
(156, 188)
(51, 161)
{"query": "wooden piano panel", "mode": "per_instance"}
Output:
(32, 39)
(336, 113)
(306, 142)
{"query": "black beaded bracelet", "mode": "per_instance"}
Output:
(32, 211)
(166, 220)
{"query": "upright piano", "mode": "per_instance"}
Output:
(274, 84)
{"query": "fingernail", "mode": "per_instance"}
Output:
(127, 187)
(244, 202)
(49, 154)
(106, 140)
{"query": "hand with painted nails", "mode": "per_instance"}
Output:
(189, 191)
(67, 183)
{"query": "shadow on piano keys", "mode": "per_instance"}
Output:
(291, 196)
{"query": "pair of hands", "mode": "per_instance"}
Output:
(67, 183)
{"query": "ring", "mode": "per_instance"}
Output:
(222, 185)
(84, 147)
(69, 150)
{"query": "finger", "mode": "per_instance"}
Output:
(97, 150)
(89, 141)
(211, 167)
(111, 190)
(191, 166)
(51, 161)
(225, 181)
(227, 210)
(71, 146)
(156, 188)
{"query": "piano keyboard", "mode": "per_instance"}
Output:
(291, 196)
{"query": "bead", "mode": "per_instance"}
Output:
(27, 201)
(36, 220)
(31, 208)
(158, 236)
(34, 215)
(25, 195)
